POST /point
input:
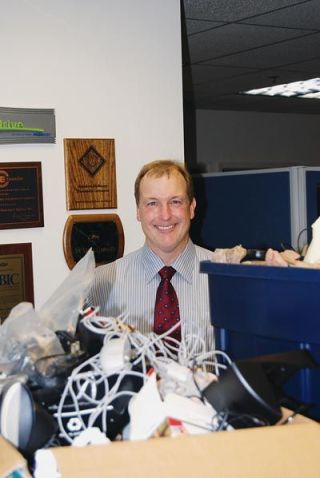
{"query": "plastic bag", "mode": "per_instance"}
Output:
(61, 311)
(24, 339)
(28, 335)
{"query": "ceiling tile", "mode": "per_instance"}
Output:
(235, 45)
(259, 103)
(208, 73)
(234, 38)
(197, 26)
(280, 54)
(310, 67)
(304, 15)
(245, 81)
(231, 10)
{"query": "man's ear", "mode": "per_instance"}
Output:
(193, 205)
(138, 214)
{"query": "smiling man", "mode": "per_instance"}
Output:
(165, 206)
(128, 287)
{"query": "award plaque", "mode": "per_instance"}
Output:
(16, 276)
(101, 232)
(20, 195)
(90, 173)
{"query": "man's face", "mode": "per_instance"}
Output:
(165, 211)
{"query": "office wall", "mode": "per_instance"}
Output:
(231, 139)
(110, 69)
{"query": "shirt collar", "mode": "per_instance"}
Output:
(184, 264)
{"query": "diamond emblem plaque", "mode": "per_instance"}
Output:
(90, 173)
(92, 161)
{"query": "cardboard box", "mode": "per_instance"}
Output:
(11, 461)
(288, 451)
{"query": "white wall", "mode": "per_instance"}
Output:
(255, 140)
(110, 69)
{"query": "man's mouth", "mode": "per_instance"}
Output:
(165, 228)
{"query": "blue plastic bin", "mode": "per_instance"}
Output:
(259, 310)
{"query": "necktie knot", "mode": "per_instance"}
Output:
(167, 272)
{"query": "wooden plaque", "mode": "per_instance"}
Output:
(16, 276)
(90, 173)
(20, 195)
(102, 232)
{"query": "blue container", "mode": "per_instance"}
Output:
(259, 310)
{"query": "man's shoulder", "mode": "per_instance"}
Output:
(202, 253)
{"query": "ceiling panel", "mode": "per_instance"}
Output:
(220, 41)
(310, 67)
(276, 55)
(260, 104)
(210, 73)
(236, 45)
(244, 82)
(231, 10)
(196, 26)
(304, 15)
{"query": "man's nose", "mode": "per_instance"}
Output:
(165, 211)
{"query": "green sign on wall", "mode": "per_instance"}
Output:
(27, 125)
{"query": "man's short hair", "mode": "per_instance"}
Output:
(162, 167)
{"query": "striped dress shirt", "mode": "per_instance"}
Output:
(127, 288)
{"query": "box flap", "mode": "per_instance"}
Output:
(279, 451)
(11, 460)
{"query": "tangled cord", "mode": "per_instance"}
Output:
(88, 395)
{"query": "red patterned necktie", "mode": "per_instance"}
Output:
(166, 312)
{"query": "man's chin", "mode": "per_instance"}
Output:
(171, 247)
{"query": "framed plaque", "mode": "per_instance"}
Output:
(20, 195)
(16, 276)
(90, 173)
(101, 232)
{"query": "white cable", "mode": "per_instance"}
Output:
(203, 359)
(90, 383)
(105, 402)
(77, 387)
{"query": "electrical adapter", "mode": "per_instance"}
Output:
(115, 354)
(178, 372)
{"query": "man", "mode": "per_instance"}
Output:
(127, 287)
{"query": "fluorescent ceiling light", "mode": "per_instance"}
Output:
(299, 89)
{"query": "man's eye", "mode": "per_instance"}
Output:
(176, 202)
(151, 203)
